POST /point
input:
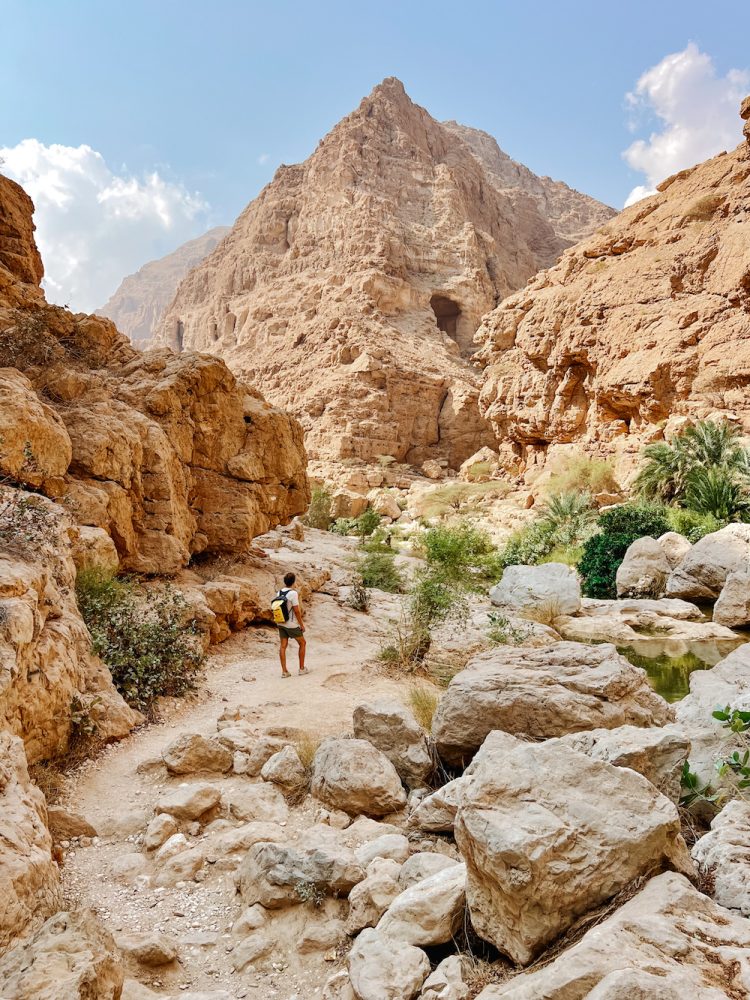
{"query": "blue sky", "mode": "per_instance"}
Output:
(213, 96)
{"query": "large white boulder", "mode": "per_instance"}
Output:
(703, 571)
(369, 900)
(644, 570)
(674, 546)
(392, 728)
(669, 942)
(276, 875)
(658, 754)
(550, 589)
(725, 852)
(543, 692)
(71, 957)
(430, 911)
(733, 605)
(549, 834)
(384, 969)
(354, 776)
(191, 753)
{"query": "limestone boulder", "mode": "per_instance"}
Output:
(550, 590)
(369, 900)
(192, 753)
(386, 969)
(647, 948)
(286, 770)
(423, 865)
(94, 549)
(644, 570)
(277, 875)
(548, 834)
(71, 957)
(158, 831)
(34, 444)
(656, 753)
(149, 948)
(543, 692)
(674, 546)
(733, 605)
(386, 505)
(64, 824)
(724, 852)
(391, 846)
(263, 803)
(188, 801)
(392, 728)
(436, 813)
(263, 749)
(429, 912)
(354, 776)
(29, 878)
(447, 982)
(704, 570)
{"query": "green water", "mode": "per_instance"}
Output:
(670, 665)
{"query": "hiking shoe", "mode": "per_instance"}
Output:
(286, 676)
(304, 671)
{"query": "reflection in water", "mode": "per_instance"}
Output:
(670, 662)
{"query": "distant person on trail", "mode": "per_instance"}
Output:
(287, 613)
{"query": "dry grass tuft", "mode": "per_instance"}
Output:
(306, 746)
(545, 612)
(423, 701)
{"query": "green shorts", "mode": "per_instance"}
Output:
(290, 632)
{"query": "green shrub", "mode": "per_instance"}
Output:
(503, 632)
(434, 598)
(319, 512)
(463, 552)
(691, 524)
(366, 523)
(142, 636)
(344, 526)
(578, 473)
(379, 571)
(461, 497)
(529, 545)
(569, 555)
(603, 552)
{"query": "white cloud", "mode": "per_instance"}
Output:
(698, 113)
(95, 226)
(264, 158)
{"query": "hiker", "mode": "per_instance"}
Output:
(287, 613)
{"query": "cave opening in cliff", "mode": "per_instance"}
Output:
(447, 314)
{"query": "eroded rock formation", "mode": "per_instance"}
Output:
(171, 456)
(351, 288)
(139, 303)
(646, 320)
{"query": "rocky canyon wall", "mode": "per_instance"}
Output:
(645, 321)
(351, 288)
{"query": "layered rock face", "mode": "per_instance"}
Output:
(171, 456)
(46, 663)
(351, 288)
(138, 305)
(645, 320)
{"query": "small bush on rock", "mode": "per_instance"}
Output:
(691, 524)
(581, 474)
(142, 636)
(359, 595)
(435, 598)
(423, 701)
(319, 512)
(378, 570)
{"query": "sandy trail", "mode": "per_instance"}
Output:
(118, 798)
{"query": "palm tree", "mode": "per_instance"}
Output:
(570, 516)
(707, 445)
(714, 490)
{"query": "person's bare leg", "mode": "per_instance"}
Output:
(302, 648)
(282, 654)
